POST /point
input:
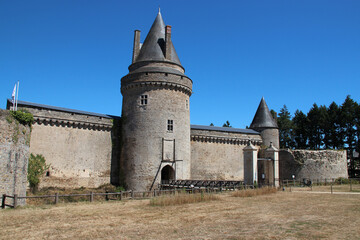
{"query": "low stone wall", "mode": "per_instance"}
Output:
(312, 164)
(14, 155)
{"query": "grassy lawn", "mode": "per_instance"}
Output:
(284, 215)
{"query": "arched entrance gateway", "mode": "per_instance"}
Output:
(167, 174)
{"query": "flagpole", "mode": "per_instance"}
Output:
(17, 95)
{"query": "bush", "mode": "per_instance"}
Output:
(23, 117)
(342, 180)
(36, 169)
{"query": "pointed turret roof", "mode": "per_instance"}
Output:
(263, 117)
(152, 48)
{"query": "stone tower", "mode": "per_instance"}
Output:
(155, 113)
(264, 123)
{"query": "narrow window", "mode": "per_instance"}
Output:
(170, 126)
(187, 104)
(143, 99)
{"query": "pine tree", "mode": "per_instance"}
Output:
(348, 115)
(285, 127)
(227, 124)
(316, 117)
(300, 133)
(333, 137)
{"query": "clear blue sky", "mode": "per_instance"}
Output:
(73, 53)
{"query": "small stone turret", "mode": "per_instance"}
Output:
(264, 123)
(156, 112)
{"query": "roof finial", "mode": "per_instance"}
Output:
(159, 9)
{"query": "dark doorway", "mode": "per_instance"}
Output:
(167, 174)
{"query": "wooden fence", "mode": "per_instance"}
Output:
(331, 185)
(320, 181)
(123, 195)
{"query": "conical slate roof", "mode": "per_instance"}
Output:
(263, 117)
(152, 48)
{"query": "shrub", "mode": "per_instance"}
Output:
(23, 117)
(36, 168)
(342, 180)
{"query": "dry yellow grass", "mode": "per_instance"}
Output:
(285, 215)
(182, 198)
(254, 192)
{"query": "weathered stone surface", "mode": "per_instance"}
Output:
(79, 154)
(313, 164)
(145, 129)
(270, 135)
(14, 155)
(219, 155)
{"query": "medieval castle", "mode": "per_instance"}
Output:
(153, 140)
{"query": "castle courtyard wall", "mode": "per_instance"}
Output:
(313, 164)
(78, 147)
(219, 155)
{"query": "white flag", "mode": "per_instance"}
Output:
(13, 94)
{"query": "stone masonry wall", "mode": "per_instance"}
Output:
(312, 164)
(219, 155)
(147, 140)
(78, 148)
(14, 155)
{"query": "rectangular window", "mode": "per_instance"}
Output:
(143, 99)
(187, 104)
(170, 125)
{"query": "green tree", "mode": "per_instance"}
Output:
(227, 124)
(333, 138)
(356, 160)
(285, 128)
(36, 169)
(273, 114)
(211, 124)
(348, 113)
(300, 134)
(317, 118)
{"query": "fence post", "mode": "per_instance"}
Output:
(350, 186)
(154, 192)
(56, 198)
(91, 196)
(121, 195)
(15, 200)
(3, 201)
(107, 196)
(331, 188)
(132, 194)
